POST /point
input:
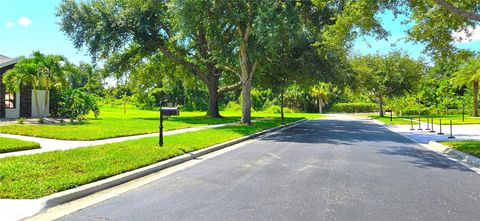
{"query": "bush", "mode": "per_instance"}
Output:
(21, 120)
(414, 111)
(275, 109)
(354, 107)
(76, 103)
(233, 106)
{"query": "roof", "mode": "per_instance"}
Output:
(6, 61)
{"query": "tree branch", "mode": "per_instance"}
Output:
(184, 63)
(458, 11)
(229, 88)
(224, 67)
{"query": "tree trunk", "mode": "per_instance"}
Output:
(281, 107)
(36, 97)
(320, 103)
(475, 99)
(246, 102)
(213, 100)
(47, 91)
(380, 105)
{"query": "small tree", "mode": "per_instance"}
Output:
(321, 91)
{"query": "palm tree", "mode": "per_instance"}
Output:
(321, 91)
(37, 71)
(51, 69)
(25, 72)
(469, 74)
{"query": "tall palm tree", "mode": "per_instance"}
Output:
(51, 69)
(321, 91)
(469, 75)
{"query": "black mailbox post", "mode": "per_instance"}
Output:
(166, 111)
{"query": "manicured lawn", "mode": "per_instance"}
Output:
(114, 123)
(456, 119)
(467, 146)
(395, 120)
(33, 176)
(11, 145)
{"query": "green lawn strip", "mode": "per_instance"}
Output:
(471, 147)
(456, 119)
(395, 120)
(11, 145)
(34, 176)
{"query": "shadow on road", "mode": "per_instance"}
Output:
(363, 134)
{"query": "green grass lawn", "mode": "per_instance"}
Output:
(114, 123)
(386, 119)
(471, 147)
(34, 176)
(11, 145)
(456, 119)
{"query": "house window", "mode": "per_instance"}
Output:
(10, 101)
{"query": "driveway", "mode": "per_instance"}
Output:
(328, 169)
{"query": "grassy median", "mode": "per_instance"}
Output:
(11, 145)
(34, 176)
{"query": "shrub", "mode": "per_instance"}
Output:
(233, 106)
(21, 120)
(76, 103)
(354, 107)
(275, 109)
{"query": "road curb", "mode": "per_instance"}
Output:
(456, 154)
(88, 189)
(451, 153)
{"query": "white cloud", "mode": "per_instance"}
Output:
(10, 24)
(462, 37)
(24, 21)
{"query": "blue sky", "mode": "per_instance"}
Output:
(28, 25)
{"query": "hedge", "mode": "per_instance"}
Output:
(354, 107)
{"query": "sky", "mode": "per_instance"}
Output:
(29, 25)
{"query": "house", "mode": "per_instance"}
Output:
(19, 103)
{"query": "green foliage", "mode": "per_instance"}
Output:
(21, 120)
(354, 107)
(233, 106)
(275, 109)
(77, 103)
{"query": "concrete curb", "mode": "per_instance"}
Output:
(456, 154)
(87, 189)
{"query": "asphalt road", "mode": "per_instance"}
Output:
(319, 170)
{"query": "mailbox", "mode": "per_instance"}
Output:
(166, 111)
(169, 111)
